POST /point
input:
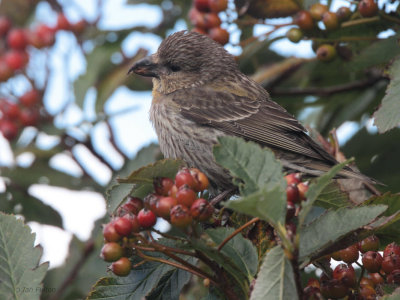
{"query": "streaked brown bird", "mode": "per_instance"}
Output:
(199, 94)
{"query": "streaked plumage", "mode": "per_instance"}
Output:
(199, 94)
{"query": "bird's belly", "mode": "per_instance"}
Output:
(181, 138)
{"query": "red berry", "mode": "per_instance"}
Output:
(372, 261)
(172, 192)
(349, 254)
(390, 263)
(110, 234)
(201, 210)
(184, 177)
(150, 201)
(330, 20)
(326, 52)
(293, 178)
(16, 59)
(211, 20)
(121, 267)
(199, 30)
(218, 5)
(111, 252)
(366, 281)
(219, 35)
(376, 278)
(370, 243)
(9, 109)
(8, 129)
(17, 39)
(43, 36)
(303, 188)
(367, 292)
(336, 256)
(186, 196)
(304, 20)
(62, 22)
(180, 216)
(334, 289)
(201, 5)
(290, 210)
(200, 178)
(292, 193)
(5, 70)
(162, 185)
(164, 206)
(345, 274)
(135, 223)
(30, 98)
(29, 117)
(367, 8)
(343, 13)
(5, 26)
(317, 10)
(146, 218)
(123, 226)
(132, 205)
(391, 249)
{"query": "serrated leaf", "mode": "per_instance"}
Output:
(20, 272)
(226, 263)
(242, 252)
(267, 204)
(256, 166)
(171, 284)
(316, 188)
(333, 225)
(275, 279)
(332, 197)
(142, 180)
(388, 116)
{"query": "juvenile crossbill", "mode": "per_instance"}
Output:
(199, 94)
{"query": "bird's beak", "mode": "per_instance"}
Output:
(145, 67)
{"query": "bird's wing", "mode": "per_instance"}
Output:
(259, 120)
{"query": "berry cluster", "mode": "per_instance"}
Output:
(343, 280)
(306, 21)
(15, 116)
(14, 56)
(295, 193)
(14, 52)
(204, 16)
(176, 201)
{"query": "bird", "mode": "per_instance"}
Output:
(199, 94)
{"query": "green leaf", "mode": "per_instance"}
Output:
(256, 166)
(391, 231)
(171, 284)
(242, 252)
(20, 272)
(316, 188)
(142, 180)
(378, 53)
(388, 116)
(275, 279)
(225, 262)
(333, 197)
(15, 201)
(333, 225)
(267, 204)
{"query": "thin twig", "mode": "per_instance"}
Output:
(254, 220)
(326, 91)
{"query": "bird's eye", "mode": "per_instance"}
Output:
(174, 68)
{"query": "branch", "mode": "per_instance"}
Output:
(252, 221)
(326, 91)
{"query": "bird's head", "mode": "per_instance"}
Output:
(185, 59)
